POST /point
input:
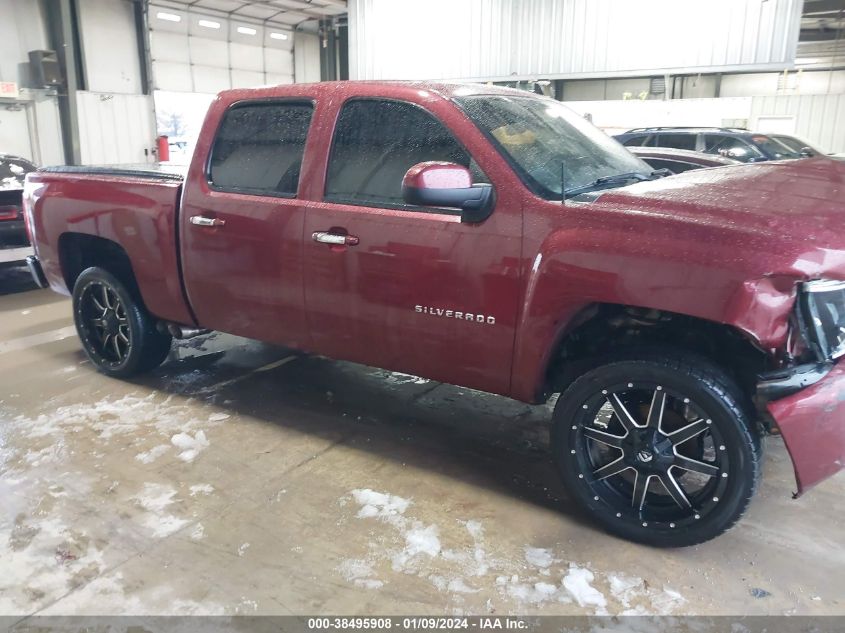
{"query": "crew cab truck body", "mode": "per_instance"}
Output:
(488, 238)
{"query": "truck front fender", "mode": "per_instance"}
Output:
(571, 271)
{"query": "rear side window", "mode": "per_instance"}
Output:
(376, 142)
(635, 141)
(259, 148)
(678, 141)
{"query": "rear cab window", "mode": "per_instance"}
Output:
(259, 147)
(376, 141)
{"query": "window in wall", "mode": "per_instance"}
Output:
(259, 148)
(376, 142)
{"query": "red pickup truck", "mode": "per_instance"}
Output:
(489, 238)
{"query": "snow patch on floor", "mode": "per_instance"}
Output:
(201, 489)
(148, 457)
(41, 559)
(106, 595)
(398, 378)
(155, 499)
(151, 422)
(538, 557)
(360, 573)
(456, 563)
(190, 446)
(379, 505)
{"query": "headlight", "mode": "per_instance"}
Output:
(823, 310)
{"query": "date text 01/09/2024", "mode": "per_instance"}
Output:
(417, 623)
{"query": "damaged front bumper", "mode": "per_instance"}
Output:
(808, 405)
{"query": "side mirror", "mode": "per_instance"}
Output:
(439, 184)
(807, 152)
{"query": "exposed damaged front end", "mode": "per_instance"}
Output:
(807, 398)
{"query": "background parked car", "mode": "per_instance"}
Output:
(680, 160)
(744, 146)
(13, 170)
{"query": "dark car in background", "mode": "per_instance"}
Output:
(13, 171)
(737, 143)
(678, 161)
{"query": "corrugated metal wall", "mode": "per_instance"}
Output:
(818, 119)
(510, 39)
(115, 128)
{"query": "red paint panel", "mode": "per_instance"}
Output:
(137, 214)
(812, 423)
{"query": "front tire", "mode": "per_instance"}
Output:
(118, 334)
(657, 448)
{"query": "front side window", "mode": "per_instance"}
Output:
(548, 145)
(376, 142)
(775, 148)
(731, 147)
(259, 148)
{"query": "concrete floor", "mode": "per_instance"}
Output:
(242, 478)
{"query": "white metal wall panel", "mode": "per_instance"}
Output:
(307, 57)
(819, 119)
(189, 57)
(110, 46)
(115, 129)
(511, 39)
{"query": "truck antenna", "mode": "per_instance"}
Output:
(562, 182)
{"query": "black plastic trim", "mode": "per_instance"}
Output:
(150, 173)
(780, 383)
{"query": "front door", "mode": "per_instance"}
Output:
(407, 288)
(241, 233)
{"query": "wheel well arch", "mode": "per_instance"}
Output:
(78, 251)
(602, 329)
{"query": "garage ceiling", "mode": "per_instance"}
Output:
(287, 12)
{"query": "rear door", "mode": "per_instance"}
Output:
(414, 290)
(241, 228)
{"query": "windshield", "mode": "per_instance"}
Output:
(13, 171)
(547, 143)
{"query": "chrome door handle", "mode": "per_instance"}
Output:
(324, 237)
(201, 220)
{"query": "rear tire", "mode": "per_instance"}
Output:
(657, 448)
(118, 334)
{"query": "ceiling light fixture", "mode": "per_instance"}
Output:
(278, 36)
(245, 30)
(209, 24)
(168, 17)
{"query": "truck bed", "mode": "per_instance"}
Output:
(132, 207)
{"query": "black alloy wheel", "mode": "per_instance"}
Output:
(104, 323)
(659, 450)
(118, 334)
